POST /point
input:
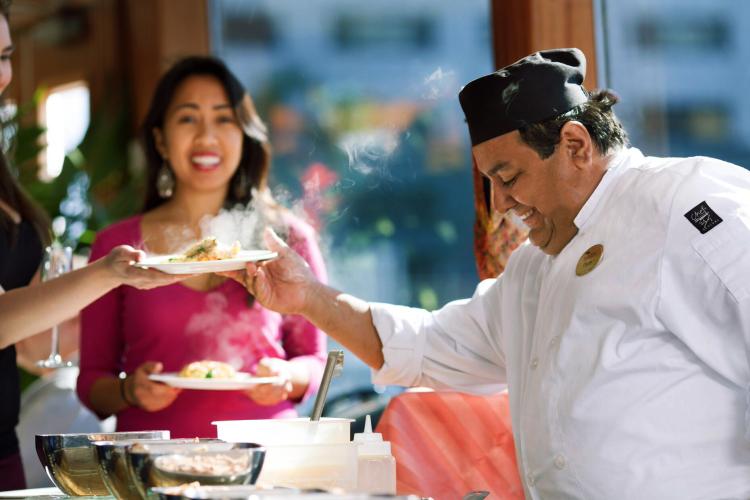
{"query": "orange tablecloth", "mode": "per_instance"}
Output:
(447, 444)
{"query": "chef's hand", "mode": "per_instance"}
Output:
(284, 284)
(119, 267)
(271, 394)
(146, 394)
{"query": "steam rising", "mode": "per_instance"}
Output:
(368, 152)
(216, 331)
(440, 84)
(243, 224)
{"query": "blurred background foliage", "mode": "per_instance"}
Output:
(101, 180)
(100, 183)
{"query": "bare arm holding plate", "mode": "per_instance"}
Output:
(33, 309)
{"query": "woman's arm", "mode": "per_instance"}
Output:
(30, 310)
(103, 342)
(110, 395)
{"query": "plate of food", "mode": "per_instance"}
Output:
(206, 256)
(211, 376)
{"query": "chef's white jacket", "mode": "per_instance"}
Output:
(631, 381)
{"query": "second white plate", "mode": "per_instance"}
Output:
(240, 382)
(237, 262)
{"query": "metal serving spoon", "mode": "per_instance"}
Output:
(334, 366)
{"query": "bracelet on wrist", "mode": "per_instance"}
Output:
(123, 392)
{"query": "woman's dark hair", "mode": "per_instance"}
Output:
(5, 8)
(255, 160)
(13, 194)
(596, 115)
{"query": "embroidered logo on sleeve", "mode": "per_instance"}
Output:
(703, 218)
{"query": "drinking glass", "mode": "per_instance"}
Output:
(57, 261)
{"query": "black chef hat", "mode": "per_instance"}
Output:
(539, 86)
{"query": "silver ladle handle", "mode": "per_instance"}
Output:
(334, 365)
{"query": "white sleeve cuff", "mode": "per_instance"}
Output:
(400, 330)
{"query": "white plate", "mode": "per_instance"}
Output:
(50, 492)
(237, 262)
(240, 382)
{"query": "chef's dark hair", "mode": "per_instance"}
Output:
(255, 161)
(596, 115)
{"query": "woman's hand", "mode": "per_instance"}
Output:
(119, 263)
(272, 394)
(146, 394)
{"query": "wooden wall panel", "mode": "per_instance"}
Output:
(124, 49)
(158, 33)
(94, 55)
(521, 27)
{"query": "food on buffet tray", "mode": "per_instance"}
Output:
(207, 249)
(208, 369)
(178, 490)
(214, 464)
(144, 446)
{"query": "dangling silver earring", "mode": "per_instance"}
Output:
(240, 184)
(165, 181)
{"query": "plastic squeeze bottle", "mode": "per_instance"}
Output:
(376, 467)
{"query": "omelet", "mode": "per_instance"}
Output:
(207, 249)
(208, 369)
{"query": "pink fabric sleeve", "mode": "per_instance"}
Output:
(303, 342)
(101, 332)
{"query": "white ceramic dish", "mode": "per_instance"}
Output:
(239, 382)
(237, 262)
(285, 431)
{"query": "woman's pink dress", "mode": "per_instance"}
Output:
(177, 325)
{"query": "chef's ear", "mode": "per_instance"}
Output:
(576, 141)
(159, 142)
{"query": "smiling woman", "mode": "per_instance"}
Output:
(207, 150)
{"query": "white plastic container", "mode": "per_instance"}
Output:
(325, 466)
(285, 431)
(376, 467)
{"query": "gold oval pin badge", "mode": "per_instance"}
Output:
(589, 260)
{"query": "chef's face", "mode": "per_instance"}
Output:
(546, 193)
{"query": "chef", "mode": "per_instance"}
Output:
(621, 331)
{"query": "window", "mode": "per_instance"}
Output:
(371, 143)
(369, 140)
(356, 31)
(678, 67)
(65, 113)
(251, 29)
(697, 33)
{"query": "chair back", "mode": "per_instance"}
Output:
(449, 443)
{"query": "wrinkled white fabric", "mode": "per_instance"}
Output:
(630, 382)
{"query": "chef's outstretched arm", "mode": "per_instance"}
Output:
(287, 285)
